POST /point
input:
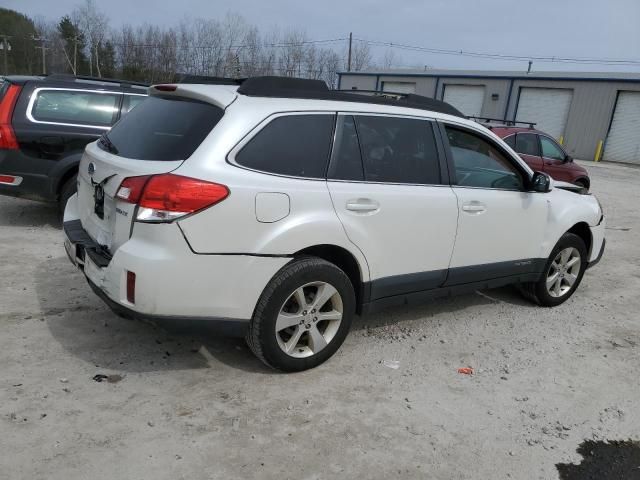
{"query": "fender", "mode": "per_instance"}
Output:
(567, 209)
(60, 171)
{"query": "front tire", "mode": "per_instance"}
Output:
(562, 274)
(303, 315)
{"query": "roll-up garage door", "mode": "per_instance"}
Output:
(623, 142)
(466, 98)
(547, 107)
(399, 87)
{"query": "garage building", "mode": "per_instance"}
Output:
(594, 115)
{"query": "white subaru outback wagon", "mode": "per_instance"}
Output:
(279, 209)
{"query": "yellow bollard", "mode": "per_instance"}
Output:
(561, 140)
(598, 151)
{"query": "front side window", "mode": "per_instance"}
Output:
(398, 150)
(293, 145)
(478, 163)
(75, 107)
(550, 149)
(527, 144)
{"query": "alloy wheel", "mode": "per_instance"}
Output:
(563, 272)
(309, 319)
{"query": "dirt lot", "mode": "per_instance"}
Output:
(190, 405)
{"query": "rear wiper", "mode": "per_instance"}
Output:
(108, 144)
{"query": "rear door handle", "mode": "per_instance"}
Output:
(362, 205)
(474, 207)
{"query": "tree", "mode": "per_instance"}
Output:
(94, 25)
(21, 54)
(73, 45)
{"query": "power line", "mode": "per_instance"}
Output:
(500, 56)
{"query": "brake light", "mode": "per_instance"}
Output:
(131, 188)
(8, 139)
(166, 197)
(166, 88)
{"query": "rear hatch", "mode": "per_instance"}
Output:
(154, 138)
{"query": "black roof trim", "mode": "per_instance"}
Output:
(288, 87)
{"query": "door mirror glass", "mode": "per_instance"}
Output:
(541, 182)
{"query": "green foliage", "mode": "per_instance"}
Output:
(74, 46)
(22, 57)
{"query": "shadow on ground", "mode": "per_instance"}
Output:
(24, 213)
(86, 327)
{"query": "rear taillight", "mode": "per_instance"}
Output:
(163, 198)
(8, 139)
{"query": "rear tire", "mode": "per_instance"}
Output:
(562, 274)
(66, 192)
(303, 315)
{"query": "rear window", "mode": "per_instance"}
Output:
(162, 129)
(75, 107)
(295, 145)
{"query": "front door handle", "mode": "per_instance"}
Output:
(362, 205)
(474, 207)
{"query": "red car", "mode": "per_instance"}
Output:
(543, 154)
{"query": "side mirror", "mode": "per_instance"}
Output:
(568, 158)
(541, 182)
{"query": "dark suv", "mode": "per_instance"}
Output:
(45, 123)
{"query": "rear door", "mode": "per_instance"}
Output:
(389, 189)
(155, 137)
(528, 147)
(554, 159)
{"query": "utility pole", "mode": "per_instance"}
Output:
(349, 57)
(75, 55)
(44, 49)
(5, 48)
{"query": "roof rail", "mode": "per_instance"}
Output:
(501, 122)
(292, 87)
(87, 78)
(203, 79)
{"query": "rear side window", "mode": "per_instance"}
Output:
(527, 144)
(75, 107)
(511, 141)
(398, 150)
(162, 129)
(346, 163)
(293, 145)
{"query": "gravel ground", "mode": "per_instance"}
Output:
(180, 403)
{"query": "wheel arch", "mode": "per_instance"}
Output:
(346, 261)
(582, 230)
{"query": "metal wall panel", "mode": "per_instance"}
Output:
(623, 141)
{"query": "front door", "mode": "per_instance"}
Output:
(500, 226)
(387, 189)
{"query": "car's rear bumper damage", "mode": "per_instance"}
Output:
(171, 282)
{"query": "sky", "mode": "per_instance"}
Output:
(560, 28)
